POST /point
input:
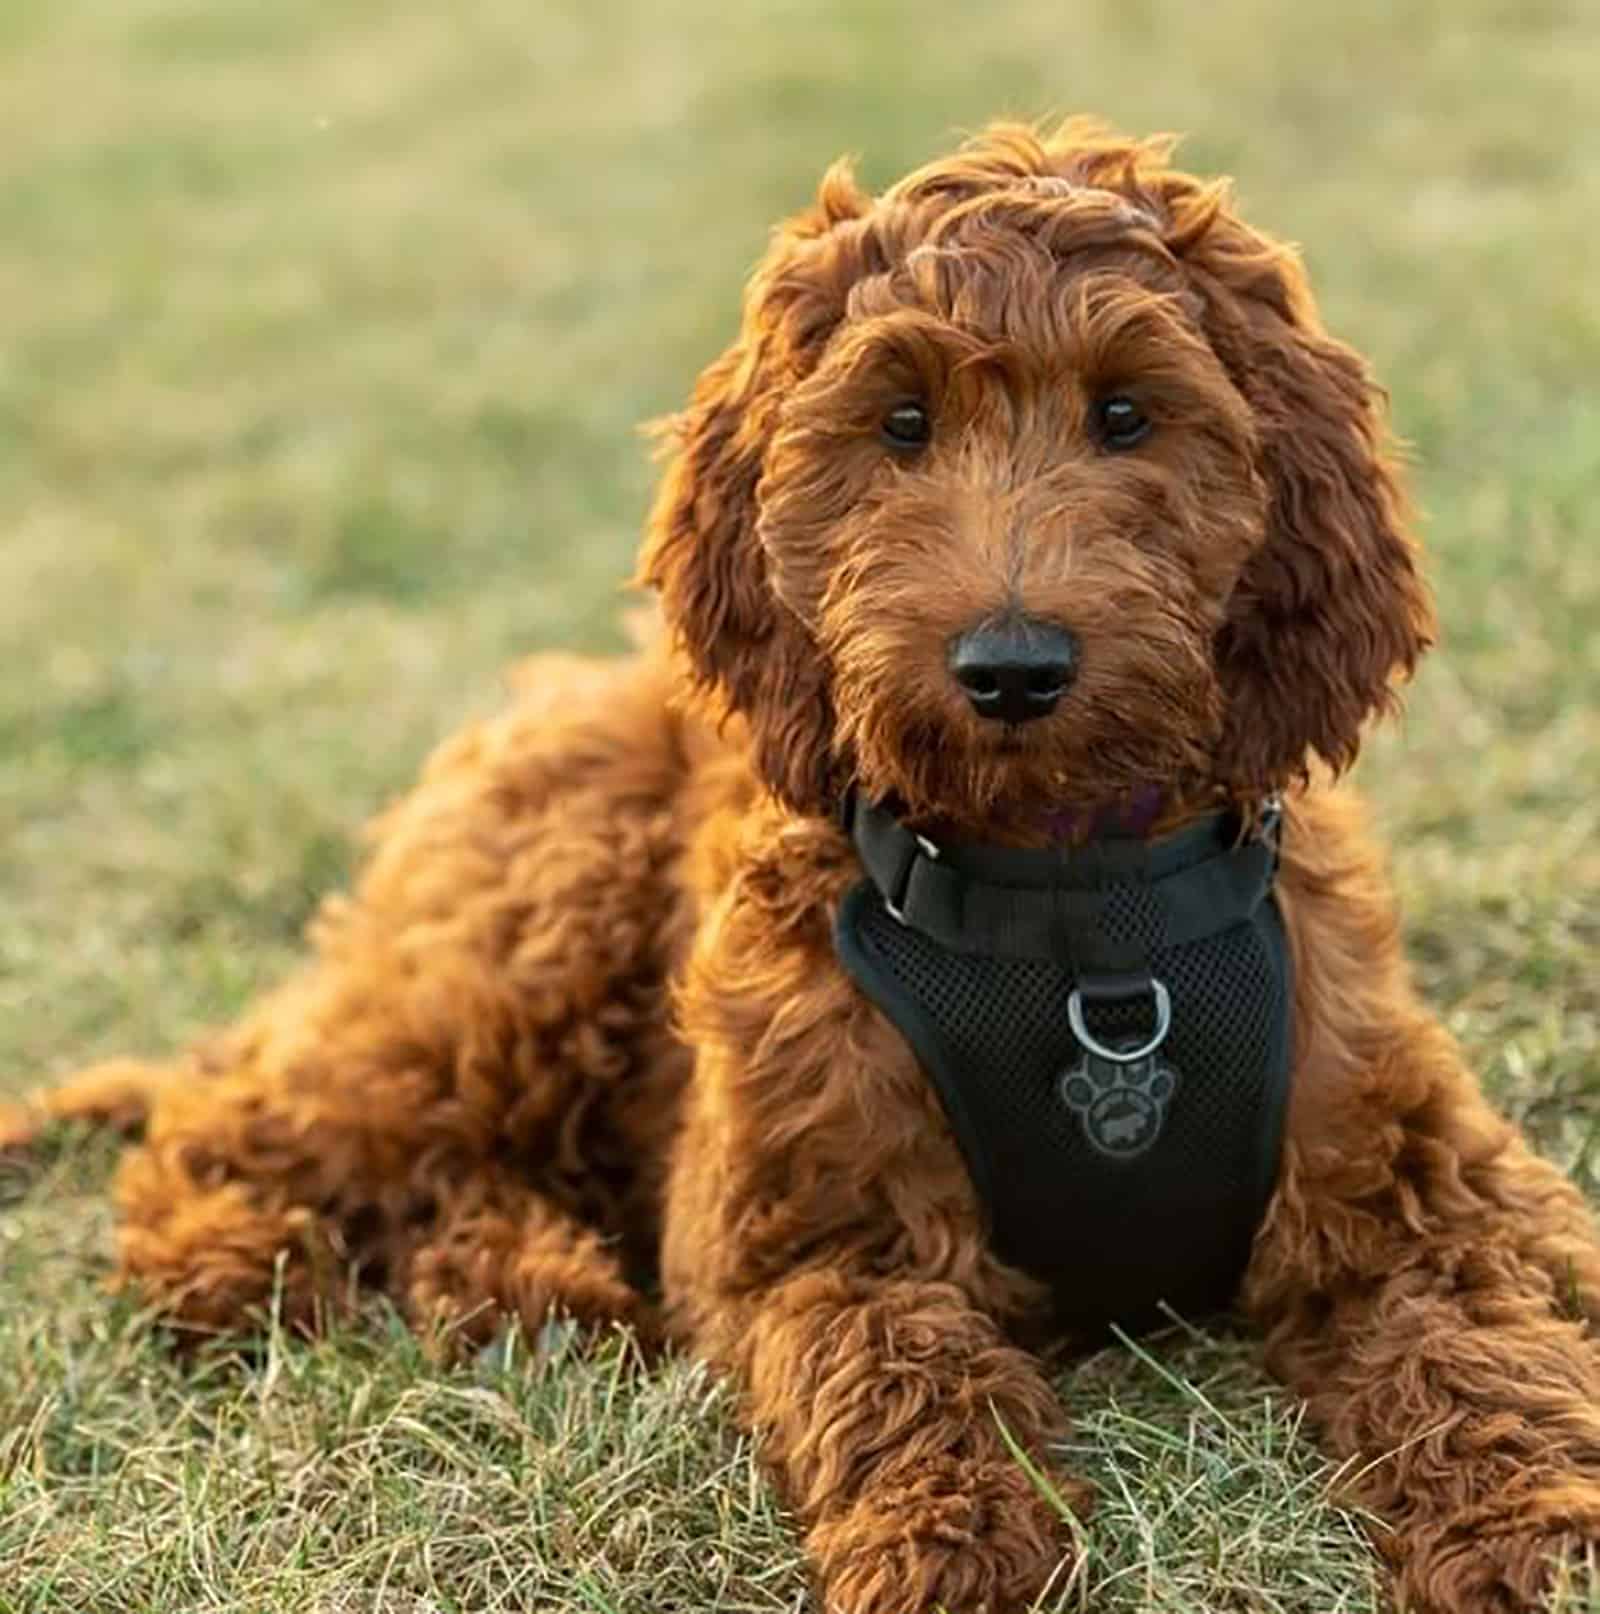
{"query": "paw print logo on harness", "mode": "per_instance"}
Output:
(1121, 1087)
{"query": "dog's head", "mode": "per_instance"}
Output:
(1036, 481)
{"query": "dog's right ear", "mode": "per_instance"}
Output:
(702, 550)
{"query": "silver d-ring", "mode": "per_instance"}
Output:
(1126, 1056)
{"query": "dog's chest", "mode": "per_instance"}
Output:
(1124, 1176)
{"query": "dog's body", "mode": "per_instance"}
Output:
(582, 1030)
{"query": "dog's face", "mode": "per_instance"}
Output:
(1009, 506)
(1031, 485)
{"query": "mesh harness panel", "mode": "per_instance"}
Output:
(1124, 1176)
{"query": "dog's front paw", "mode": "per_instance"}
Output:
(1545, 1557)
(969, 1538)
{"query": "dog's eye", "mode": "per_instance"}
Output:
(1121, 422)
(906, 426)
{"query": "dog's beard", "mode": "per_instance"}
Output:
(1147, 726)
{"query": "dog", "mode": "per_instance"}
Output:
(1033, 522)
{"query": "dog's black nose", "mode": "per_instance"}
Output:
(1014, 669)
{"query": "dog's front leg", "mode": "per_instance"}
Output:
(1425, 1281)
(1440, 1352)
(823, 1248)
(880, 1403)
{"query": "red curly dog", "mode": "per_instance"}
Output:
(582, 1036)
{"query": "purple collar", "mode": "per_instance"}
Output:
(1133, 815)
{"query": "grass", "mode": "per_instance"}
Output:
(327, 329)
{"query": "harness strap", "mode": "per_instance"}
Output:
(1045, 908)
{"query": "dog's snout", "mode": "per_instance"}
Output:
(1014, 669)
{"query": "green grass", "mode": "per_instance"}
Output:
(327, 328)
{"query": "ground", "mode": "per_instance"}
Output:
(327, 326)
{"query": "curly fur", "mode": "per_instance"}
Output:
(579, 1037)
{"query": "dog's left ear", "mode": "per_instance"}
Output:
(702, 549)
(1332, 610)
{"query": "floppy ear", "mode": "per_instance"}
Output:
(1332, 610)
(702, 550)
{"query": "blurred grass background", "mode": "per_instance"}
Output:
(326, 330)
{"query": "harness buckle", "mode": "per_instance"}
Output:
(1269, 826)
(1121, 1056)
(894, 906)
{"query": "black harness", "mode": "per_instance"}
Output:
(1108, 1030)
